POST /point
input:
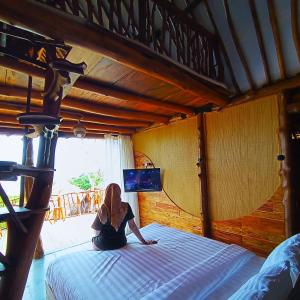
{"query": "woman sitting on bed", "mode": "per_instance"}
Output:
(111, 220)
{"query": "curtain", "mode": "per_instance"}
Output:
(127, 162)
(112, 166)
(119, 156)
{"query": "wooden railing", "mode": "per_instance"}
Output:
(74, 204)
(158, 24)
(67, 205)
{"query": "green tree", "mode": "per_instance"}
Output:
(88, 180)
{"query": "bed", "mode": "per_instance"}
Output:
(181, 266)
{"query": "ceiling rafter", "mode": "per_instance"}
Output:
(227, 60)
(272, 89)
(100, 88)
(107, 110)
(20, 107)
(295, 27)
(238, 45)
(277, 39)
(31, 15)
(260, 41)
(70, 124)
(111, 111)
(16, 129)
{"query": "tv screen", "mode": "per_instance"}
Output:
(142, 180)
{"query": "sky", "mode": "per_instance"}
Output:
(73, 157)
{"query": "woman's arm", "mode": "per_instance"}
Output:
(137, 233)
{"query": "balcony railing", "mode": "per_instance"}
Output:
(158, 24)
(74, 204)
(67, 205)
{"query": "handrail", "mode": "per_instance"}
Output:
(158, 24)
(74, 204)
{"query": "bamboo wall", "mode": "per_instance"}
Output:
(243, 176)
(174, 149)
(158, 208)
(242, 148)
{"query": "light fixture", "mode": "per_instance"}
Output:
(79, 130)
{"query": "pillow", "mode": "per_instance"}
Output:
(273, 282)
(288, 250)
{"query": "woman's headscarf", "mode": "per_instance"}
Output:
(113, 208)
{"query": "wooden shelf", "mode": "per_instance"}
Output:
(37, 119)
(10, 170)
(22, 212)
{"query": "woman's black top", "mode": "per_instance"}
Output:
(109, 238)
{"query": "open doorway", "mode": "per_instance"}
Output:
(76, 193)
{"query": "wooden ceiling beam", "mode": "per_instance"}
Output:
(271, 89)
(98, 87)
(238, 45)
(76, 32)
(295, 27)
(96, 127)
(227, 60)
(260, 41)
(67, 133)
(277, 39)
(105, 110)
(25, 67)
(17, 107)
(115, 92)
(93, 108)
(70, 124)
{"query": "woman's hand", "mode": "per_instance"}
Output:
(149, 242)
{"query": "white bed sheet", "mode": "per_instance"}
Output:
(181, 266)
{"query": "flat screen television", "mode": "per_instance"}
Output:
(142, 180)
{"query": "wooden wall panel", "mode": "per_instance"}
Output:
(156, 207)
(263, 227)
(242, 149)
(174, 149)
(261, 231)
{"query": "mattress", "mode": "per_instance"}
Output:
(181, 266)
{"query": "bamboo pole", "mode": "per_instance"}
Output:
(277, 38)
(260, 41)
(226, 57)
(202, 165)
(285, 172)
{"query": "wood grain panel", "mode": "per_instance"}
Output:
(260, 231)
(174, 149)
(158, 208)
(242, 145)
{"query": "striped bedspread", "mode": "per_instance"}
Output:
(181, 266)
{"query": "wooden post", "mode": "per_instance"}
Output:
(284, 135)
(28, 181)
(202, 165)
(21, 244)
(25, 141)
